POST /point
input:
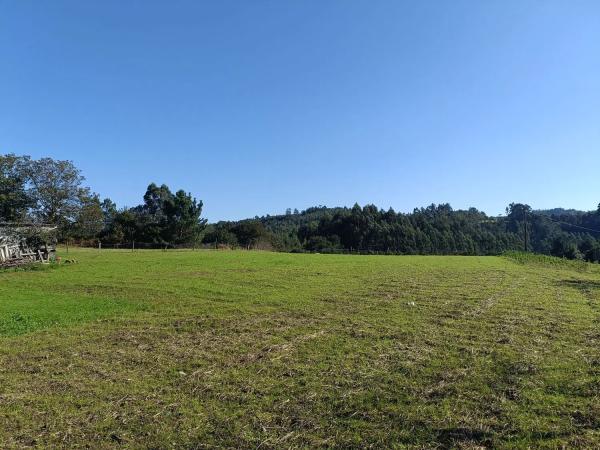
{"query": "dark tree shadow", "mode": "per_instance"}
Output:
(583, 285)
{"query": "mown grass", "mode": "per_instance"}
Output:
(548, 261)
(264, 350)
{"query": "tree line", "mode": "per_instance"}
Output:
(48, 191)
(434, 230)
(52, 191)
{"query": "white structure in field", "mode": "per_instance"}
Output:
(10, 248)
(14, 248)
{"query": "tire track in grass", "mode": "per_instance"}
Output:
(426, 356)
(463, 373)
(534, 339)
(586, 416)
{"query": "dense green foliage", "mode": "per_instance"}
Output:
(238, 349)
(437, 229)
(14, 198)
(47, 191)
(164, 219)
(51, 191)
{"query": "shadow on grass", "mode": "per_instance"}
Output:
(450, 437)
(463, 436)
(582, 285)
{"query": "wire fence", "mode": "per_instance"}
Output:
(135, 245)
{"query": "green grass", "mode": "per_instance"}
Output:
(266, 350)
(548, 261)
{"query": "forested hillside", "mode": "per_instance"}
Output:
(436, 229)
(49, 191)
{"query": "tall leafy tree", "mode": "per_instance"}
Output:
(89, 220)
(109, 211)
(15, 200)
(183, 217)
(56, 187)
(124, 228)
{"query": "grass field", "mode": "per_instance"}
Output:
(264, 350)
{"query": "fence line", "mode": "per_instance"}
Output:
(135, 245)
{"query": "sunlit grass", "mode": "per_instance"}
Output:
(247, 349)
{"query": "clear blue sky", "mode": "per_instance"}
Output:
(255, 106)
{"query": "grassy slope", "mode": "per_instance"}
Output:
(248, 349)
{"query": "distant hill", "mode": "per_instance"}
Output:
(435, 229)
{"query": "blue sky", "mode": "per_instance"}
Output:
(256, 106)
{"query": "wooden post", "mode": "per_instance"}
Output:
(99, 246)
(133, 246)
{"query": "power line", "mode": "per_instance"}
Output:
(573, 225)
